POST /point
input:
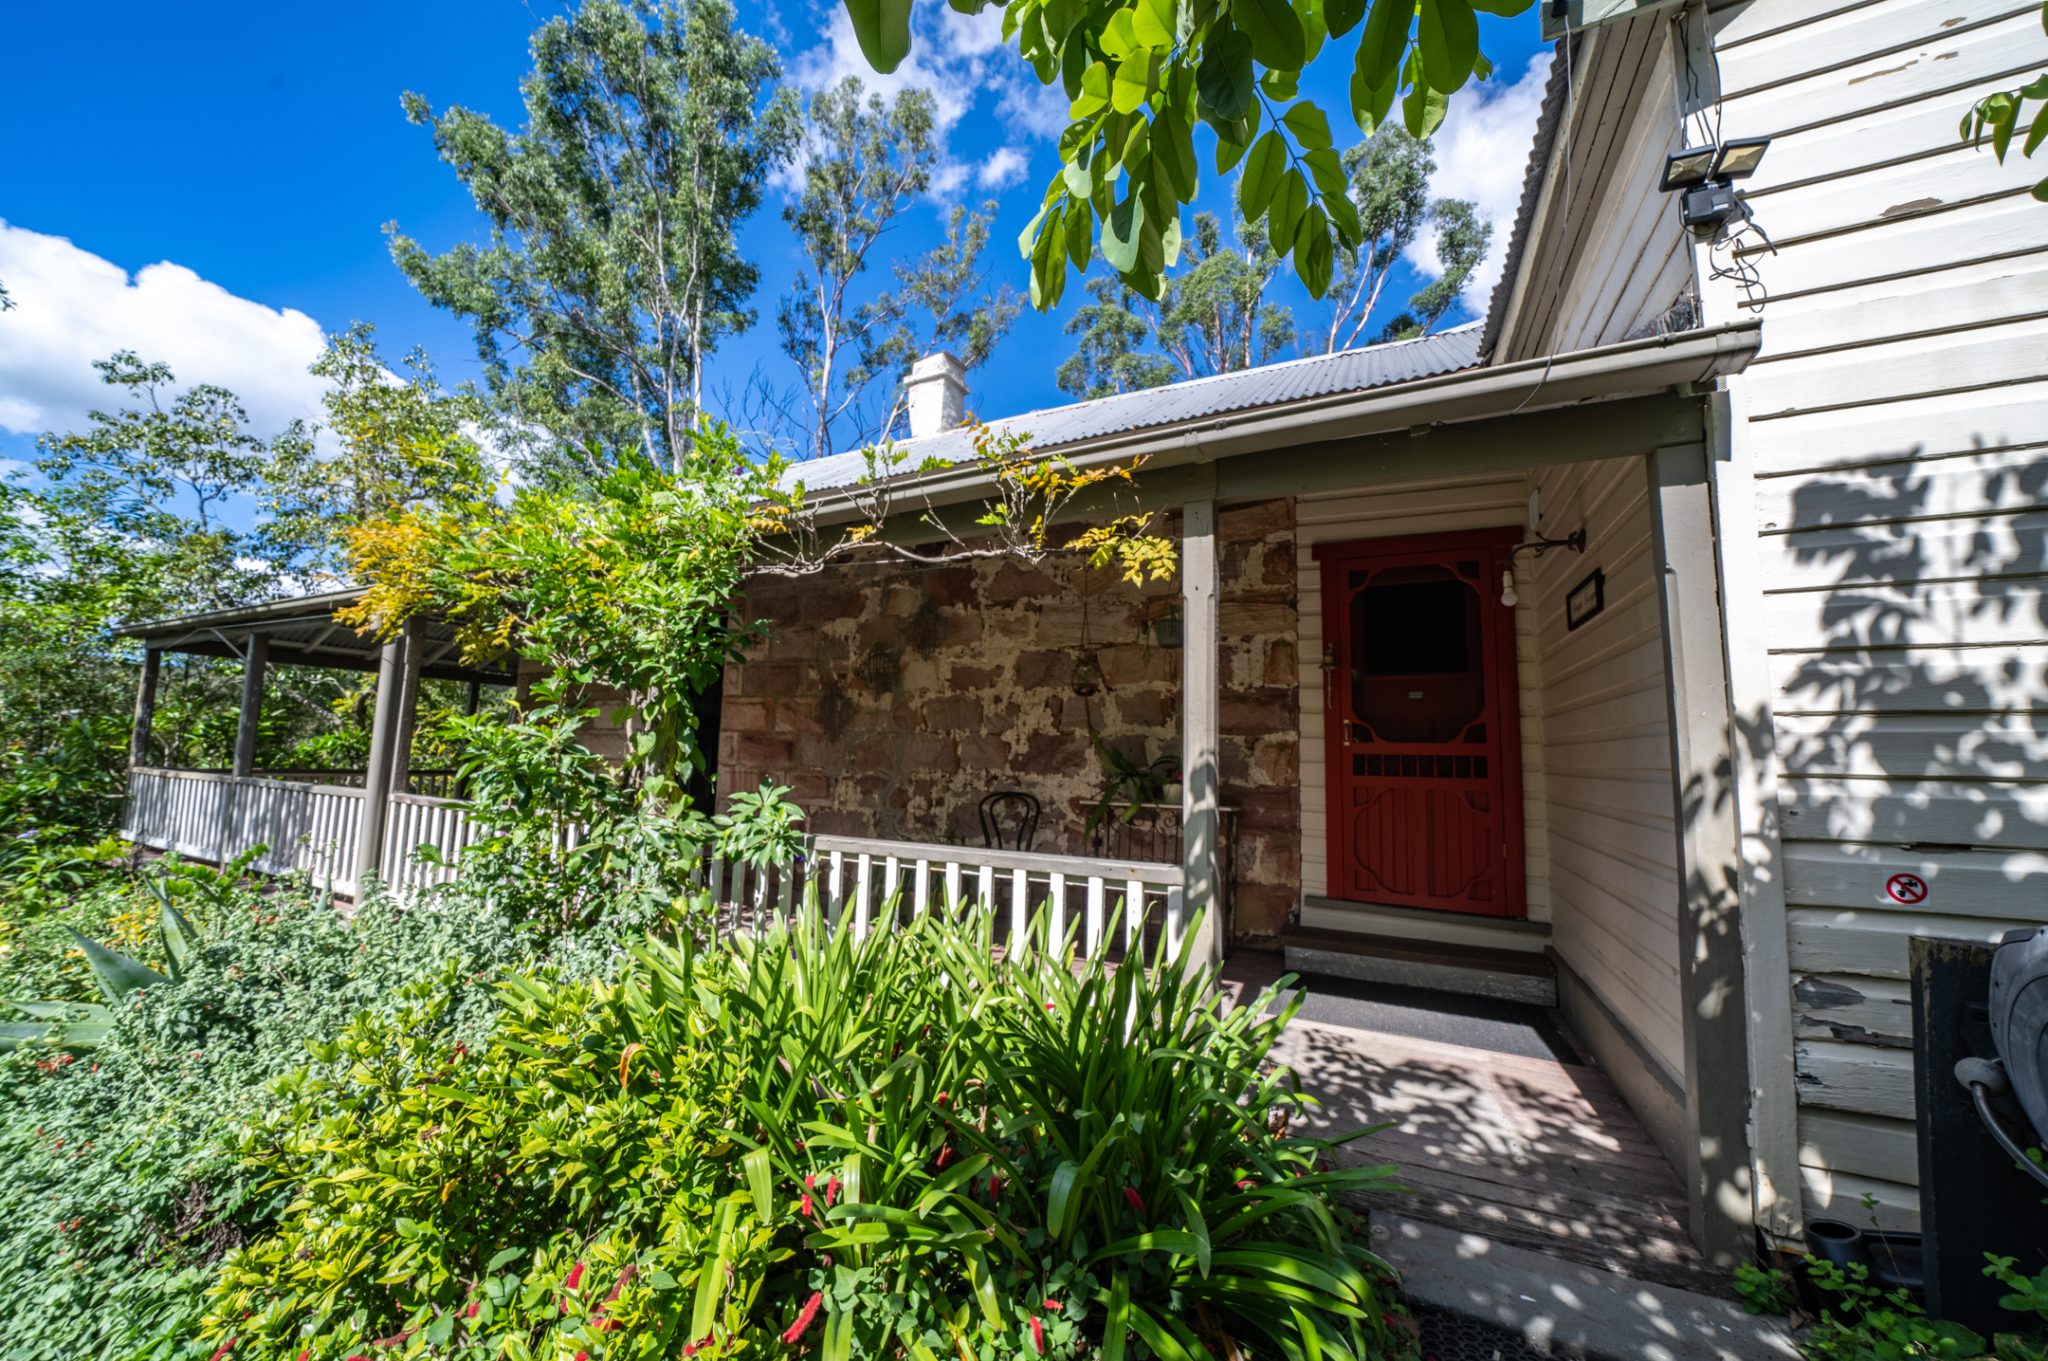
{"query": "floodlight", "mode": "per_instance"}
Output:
(1739, 158)
(1684, 169)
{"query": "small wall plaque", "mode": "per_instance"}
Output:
(1586, 599)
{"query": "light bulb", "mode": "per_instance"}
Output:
(1507, 587)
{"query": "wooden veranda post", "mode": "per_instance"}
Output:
(1712, 1012)
(255, 663)
(397, 682)
(145, 706)
(1200, 667)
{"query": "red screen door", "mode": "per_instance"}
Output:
(1424, 755)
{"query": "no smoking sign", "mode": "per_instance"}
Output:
(1906, 888)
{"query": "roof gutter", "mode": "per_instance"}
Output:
(1630, 368)
(270, 611)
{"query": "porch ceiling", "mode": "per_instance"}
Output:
(304, 632)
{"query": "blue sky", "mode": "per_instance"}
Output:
(209, 184)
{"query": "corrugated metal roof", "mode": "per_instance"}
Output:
(1322, 375)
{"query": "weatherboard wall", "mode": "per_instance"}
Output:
(1885, 550)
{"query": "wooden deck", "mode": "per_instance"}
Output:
(1540, 1153)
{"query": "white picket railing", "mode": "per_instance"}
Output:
(1109, 905)
(306, 827)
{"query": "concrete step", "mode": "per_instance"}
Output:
(1474, 970)
(1565, 1309)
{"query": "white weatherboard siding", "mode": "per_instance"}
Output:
(1626, 262)
(1606, 755)
(1423, 508)
(1596, 749)
(1893, 430)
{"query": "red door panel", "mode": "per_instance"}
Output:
(1424, 754)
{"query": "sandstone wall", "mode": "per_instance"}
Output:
(891, 697)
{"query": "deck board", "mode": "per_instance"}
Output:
(1540, 1153)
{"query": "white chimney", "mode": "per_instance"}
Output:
(935, 391)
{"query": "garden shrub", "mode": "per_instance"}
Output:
(122, 1186)
(896, 1147)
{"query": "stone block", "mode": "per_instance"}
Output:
(1043, 669)
(1014, 581)
(955, 713)
(800, 714)
(985, 753)
(962, 677)
(746, 715)
(824, 603)
(1057, 753)
(759, 749)
(931, 751)
(1136, 664)
(1277, 763)
(953, 585)
(1261, 910)
(1261, 713)
(1282, 667)
(1237, 617)
(1256, 520)
(770, 679)
(1146, 708)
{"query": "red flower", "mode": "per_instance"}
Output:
(225, 1348)
(945, 1156)
(810, 1181)
(574, 1278)
(1038, 1335)
(831, 1192)
(1052, 1306)
(803, 1320)
(995, 1185)
(1137, 1201)
(474, 1305)
(582, 1356)
(804, 1206)
(942, 1098)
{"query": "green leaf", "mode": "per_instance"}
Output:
(1263, 170)
(116, 973)
(1121, 231)
(1094, 96)
(1312, 251)
(761, 1185)
(1290, 200)
(1341, 16)
(1448, 38)
(1280, 85)
(1370, 104)
(1506, 9)
(1422, 110)
(1153, 22)
(1381, 45)
(1116, 1322)
(1132, 86)
(1275, 31)
(1173, 153)
(1309, 126)
(882, 28)
(1080, 229)
(180, 939)
(1224, 81)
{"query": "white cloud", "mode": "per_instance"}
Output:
(1003, 169)
(1482, 154)
(958, 59)
(72, 307)
(1042, 110)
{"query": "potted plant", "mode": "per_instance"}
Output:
(1128, 785)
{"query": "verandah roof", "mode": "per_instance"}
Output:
(304, 632)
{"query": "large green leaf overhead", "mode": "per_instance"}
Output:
(1141, 74)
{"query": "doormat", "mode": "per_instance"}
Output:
(1530, 1032)
(1451, 1337)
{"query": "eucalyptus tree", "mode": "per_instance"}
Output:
(866, 163)
(1215, 316)
(1140, 75)
(393, 441)
(1389, 176)
(614, 266)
